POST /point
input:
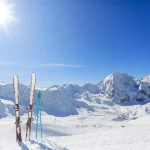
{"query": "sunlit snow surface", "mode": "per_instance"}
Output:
(108, 128)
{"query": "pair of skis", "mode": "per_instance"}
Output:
(16, 108)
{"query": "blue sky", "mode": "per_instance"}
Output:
(75, 41)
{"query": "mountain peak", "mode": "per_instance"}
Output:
(119, 74)
(3, 83)
(146, 79)
(120, 86)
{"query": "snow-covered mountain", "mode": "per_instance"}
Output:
(144, 86)
(122, 87)
(117, 88)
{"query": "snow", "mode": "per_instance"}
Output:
(3, 83)
(121, 87)
(111, 115)
(88, 130)
(6, 102)
(146, 79)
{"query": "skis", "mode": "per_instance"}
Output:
(16, 108)
(29, 121)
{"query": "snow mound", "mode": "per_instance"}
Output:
(120, 118)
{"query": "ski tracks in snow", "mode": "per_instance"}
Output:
(115, 139)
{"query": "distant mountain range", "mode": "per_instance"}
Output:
(117, 88)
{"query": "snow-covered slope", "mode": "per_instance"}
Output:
(86, 131)
(7, 108)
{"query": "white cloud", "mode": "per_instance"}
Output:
(33, 65)
(59, 65)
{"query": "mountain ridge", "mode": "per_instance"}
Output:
(63, 100)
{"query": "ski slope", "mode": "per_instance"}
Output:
(86, 131)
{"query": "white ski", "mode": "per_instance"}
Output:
(29, 121)
(16, 108)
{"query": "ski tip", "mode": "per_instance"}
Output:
(15, 75)
(33, 73)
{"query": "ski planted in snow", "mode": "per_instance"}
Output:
(29, 120)
(16, 108)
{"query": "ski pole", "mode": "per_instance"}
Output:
(40, 120)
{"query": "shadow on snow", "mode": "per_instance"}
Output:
(43, 146)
